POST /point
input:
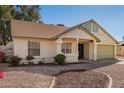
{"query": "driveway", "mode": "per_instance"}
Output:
(42, 76)
(116, 72)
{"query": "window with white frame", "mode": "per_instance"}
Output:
(66, 48)
(34, 48)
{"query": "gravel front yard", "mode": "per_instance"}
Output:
(81, 79)
(25, 77)
(42, 76)
(25, 80)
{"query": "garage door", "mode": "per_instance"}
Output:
(105, 51)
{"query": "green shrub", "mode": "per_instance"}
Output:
(29, 58)
(60, 59)
(15, 60)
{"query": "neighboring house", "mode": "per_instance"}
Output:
(87, 40)
(120, 48)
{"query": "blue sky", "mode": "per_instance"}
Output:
(111, 18)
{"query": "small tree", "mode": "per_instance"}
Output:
(15, 60)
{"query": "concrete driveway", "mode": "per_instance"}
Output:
(116, 72)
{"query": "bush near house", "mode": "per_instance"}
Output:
(60, 59)
(15, 60)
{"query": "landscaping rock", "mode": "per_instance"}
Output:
(84, 79)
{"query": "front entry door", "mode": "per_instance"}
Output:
(81, 51)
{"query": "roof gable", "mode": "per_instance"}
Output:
(79, 26)
(88, 27)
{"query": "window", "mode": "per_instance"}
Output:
(66, 48)
(33, 48)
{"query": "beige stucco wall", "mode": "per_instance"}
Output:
(105, 39)
(73, 57)
(91, 51)
(78, 35)
(120, 50)
(73, 42)
(47, 48)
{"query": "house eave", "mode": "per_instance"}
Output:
(79, 27)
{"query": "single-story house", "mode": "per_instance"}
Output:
(120, 48)
(87, 40)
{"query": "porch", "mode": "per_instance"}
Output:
(77, 49)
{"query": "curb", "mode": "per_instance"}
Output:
(110, 79)
(53, 82)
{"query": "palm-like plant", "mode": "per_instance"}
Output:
(5, 17)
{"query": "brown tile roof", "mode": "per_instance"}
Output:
(38, 30)
(35, 30)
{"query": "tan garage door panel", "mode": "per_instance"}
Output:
(105, 51)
